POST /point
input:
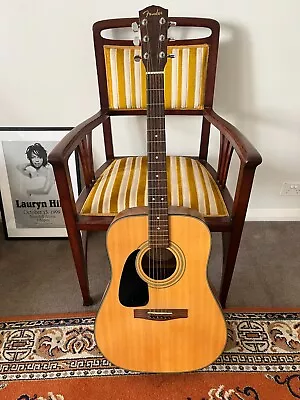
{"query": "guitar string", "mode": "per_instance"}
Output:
(158, 100)
(164, 180)
(156, 123)
(161, 108)
(150, 195)
(159, 79)
(153, 100)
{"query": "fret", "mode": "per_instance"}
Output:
(153, 198)
(160, 226)
(156, 195)
(159, 223)
(162, 231)
(158, 189)
(155, 98)
(160, 234)
(153, 222)
(160, 206)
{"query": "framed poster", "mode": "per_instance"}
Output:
(30, 201)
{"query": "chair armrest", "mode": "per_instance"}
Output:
(68, 144)
(244, 149)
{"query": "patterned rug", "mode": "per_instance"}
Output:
(57, 358)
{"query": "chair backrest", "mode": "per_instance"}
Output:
(189, 76)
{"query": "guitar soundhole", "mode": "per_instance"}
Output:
(159, 263)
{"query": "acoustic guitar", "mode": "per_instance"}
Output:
(158, 313)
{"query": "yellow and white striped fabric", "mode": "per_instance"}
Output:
(124, 185)
(185, 77)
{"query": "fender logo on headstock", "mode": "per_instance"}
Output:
(149, 14)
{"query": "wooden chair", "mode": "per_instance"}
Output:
(119, 183)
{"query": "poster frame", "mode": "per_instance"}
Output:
(33, 134)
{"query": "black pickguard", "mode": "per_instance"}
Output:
(133, 291)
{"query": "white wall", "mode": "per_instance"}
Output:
(48, 78)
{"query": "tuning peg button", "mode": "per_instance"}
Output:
(135, 27)
(172, 23)
(136, 41)
(137, 58)
(171, 56)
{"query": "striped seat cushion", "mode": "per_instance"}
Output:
(123, 184)
(185, 77)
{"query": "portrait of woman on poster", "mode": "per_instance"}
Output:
(38, 170)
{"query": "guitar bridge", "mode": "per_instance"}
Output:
(160, 314)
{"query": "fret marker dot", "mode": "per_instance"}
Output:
(155, 135)
(157, 217)
(162, 199)
(158, 228)
(156, 176)
(156, 157)
(153, 198)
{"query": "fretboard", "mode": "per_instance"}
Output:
(157, 174)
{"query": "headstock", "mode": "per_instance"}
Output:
(154, 26)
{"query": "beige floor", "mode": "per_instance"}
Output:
(38, 277)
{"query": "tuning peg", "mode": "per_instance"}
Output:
(172, 23)
(137, 58)
(135, 27)
(171, 56)
(136, 41)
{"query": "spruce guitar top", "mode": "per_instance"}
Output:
(158, 313)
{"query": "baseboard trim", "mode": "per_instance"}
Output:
(273, 214)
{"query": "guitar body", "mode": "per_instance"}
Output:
(180, 326)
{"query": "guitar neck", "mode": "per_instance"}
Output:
(157, 171)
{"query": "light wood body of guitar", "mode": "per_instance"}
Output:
(177, 345)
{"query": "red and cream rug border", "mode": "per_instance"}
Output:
(63, 346)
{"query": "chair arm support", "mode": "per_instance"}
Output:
(244, 149)
(63, 150)
(59, 156)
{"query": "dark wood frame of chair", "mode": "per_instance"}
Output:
(79, 140)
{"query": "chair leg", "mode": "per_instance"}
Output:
(78, 247)
(231, 243)
(231, 240)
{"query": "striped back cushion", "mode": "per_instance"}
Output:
(185, 77)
